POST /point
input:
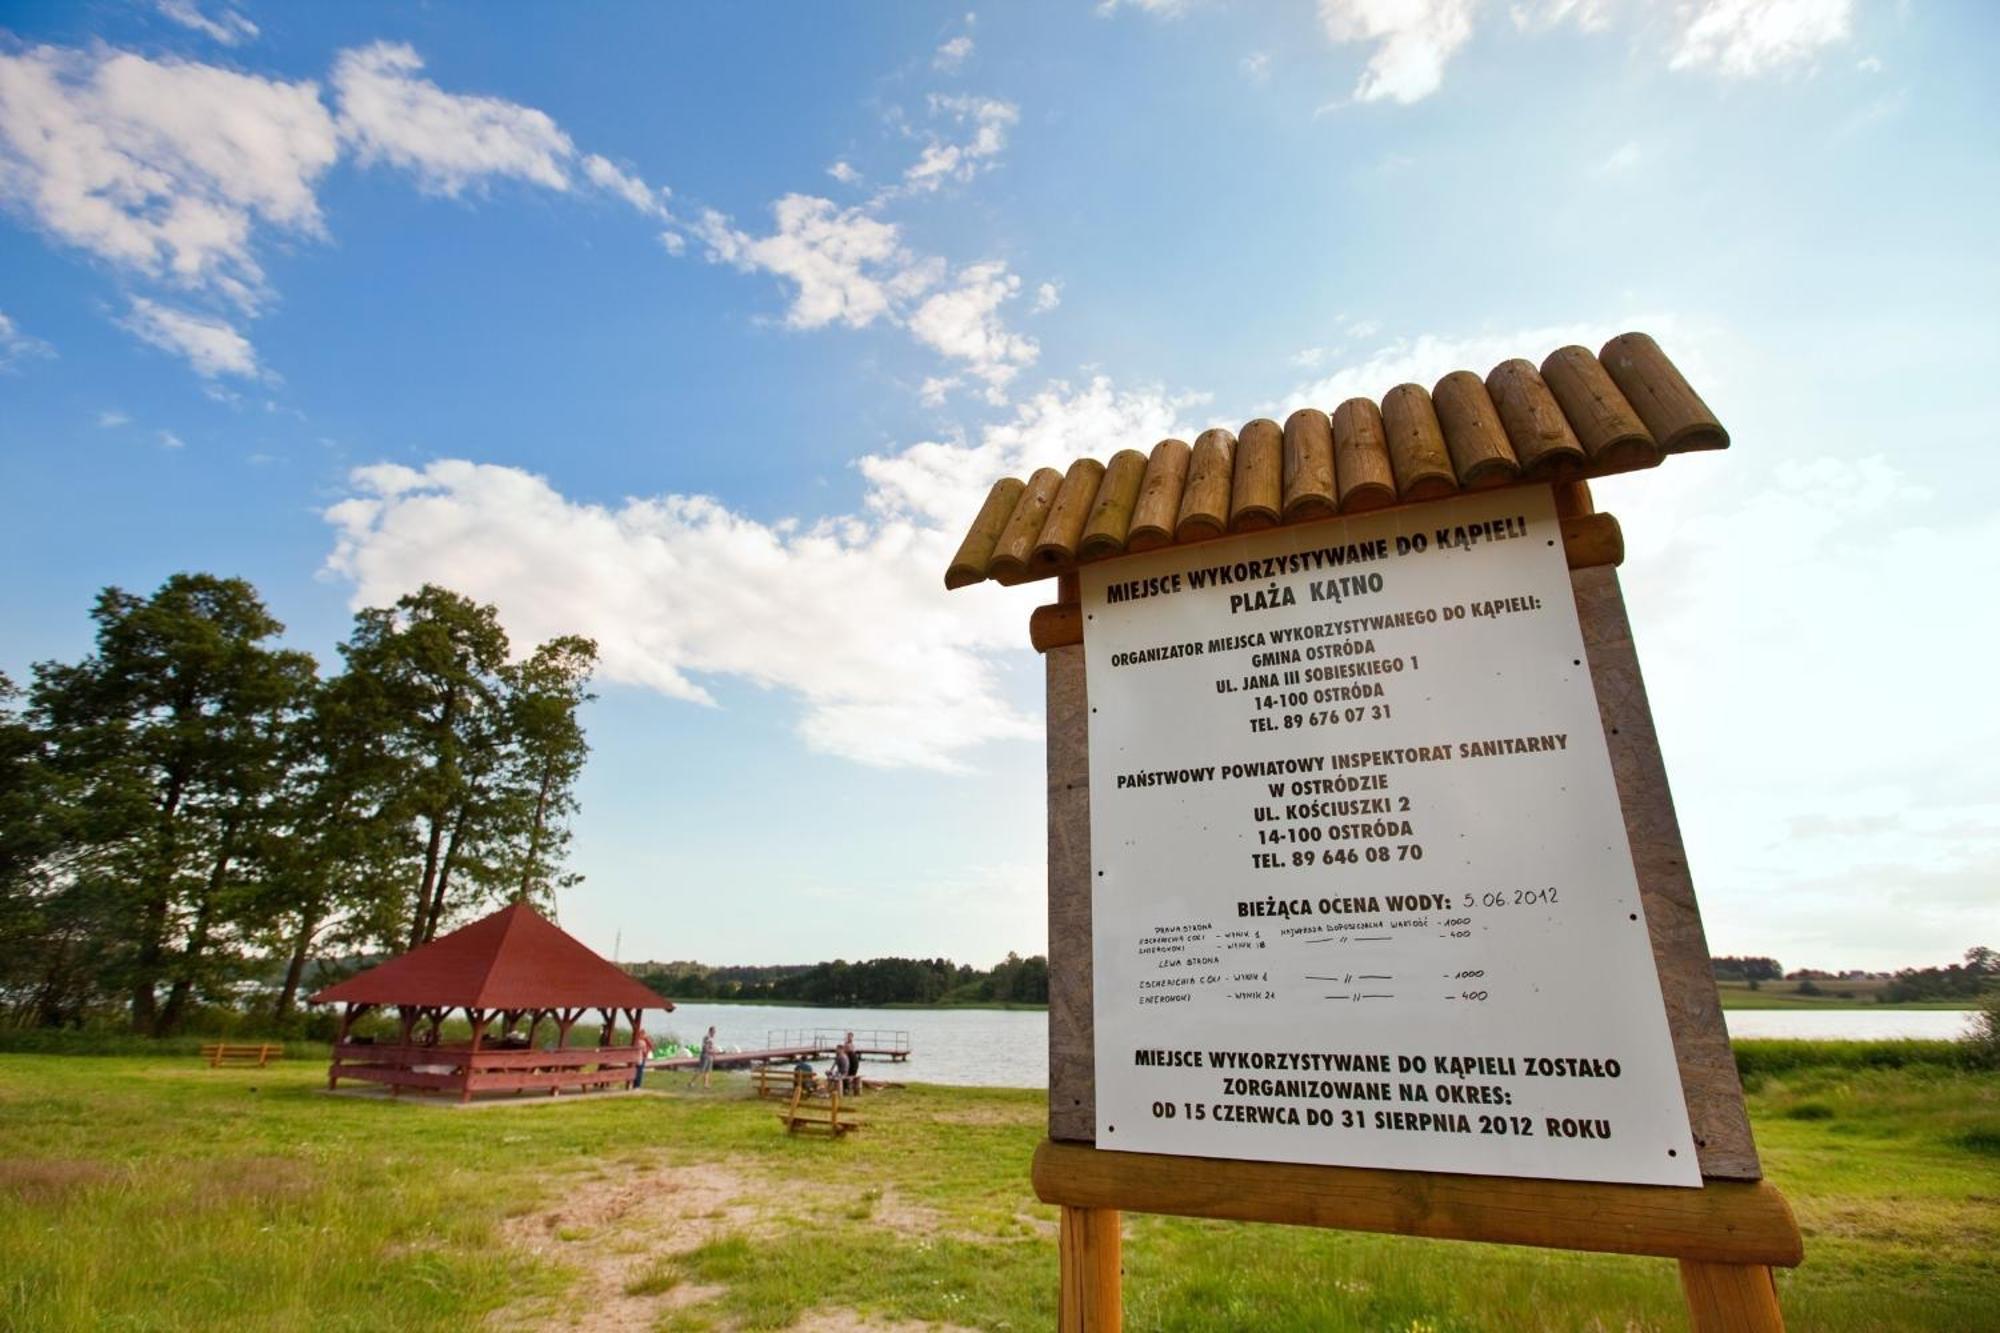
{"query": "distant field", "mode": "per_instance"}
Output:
(150, 1192)
(1834, 995)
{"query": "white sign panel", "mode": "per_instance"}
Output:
(1362, 893)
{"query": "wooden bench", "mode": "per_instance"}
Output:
(816, 1109)
(773, 1080)
(223, 1053)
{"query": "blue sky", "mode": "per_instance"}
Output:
(702, 332)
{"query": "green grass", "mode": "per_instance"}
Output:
(153, 1193)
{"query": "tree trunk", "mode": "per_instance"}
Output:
(177, 998)
(436, 911)
(535, 830)
(295, 970)
(433, 845)
(153, 919)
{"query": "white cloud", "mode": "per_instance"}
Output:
(842, 262)
(952, 54)
(607, 175)
(847, 266)
(962, 322)
(1414, 39)
(1256, 67)
(161, 167)
(169, 440)
(1048, 296)
(1869, 65)
(1590, 15)
(211, 345)
(167, 168)
(111, 419)
(17, 346)
(988, 121)
(1745, 38)
(448, 140)
(454, 141)
(674, 243)
(844, 173)
(229, 27)
(845, 615)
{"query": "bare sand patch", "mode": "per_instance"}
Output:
(615, 1230)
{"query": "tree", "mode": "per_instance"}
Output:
(1732, 968)
(164, 741)
(548, 750)
(433, 662)
(484, 754)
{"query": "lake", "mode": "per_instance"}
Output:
(1010, 1048)
(1002, 1048)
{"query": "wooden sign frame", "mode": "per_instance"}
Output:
(1726, 1235)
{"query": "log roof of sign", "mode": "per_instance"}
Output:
(1579, 416)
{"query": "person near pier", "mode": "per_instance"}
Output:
(707, 1066)
(850, 1060)
(645, 1045)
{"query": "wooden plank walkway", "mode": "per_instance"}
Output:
(892, 1046)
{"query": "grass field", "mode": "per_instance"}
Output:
(150, 1192)
(1833, 995)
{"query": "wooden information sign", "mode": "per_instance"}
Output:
(1360, 843)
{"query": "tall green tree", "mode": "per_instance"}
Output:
(487, 752)
(547, 754)
(167, 741)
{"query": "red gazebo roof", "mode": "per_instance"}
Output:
(513, 959)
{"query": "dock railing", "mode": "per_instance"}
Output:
(882, 1043)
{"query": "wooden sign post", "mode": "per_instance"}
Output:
(1592, 1155)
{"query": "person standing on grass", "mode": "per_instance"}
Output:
(707, 1066)
(645, 1045)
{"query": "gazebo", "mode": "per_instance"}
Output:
(511, 966)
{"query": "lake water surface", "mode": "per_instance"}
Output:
(1010, 1048)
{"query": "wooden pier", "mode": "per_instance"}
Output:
(791, 1045)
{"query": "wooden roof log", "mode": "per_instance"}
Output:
(1309, 492)
(1017, 539)
(1111, 514)
(1205, 502)
(1577, 416)
(1416, 445)
(1159, 504)
(1480, 453)
(1612, 435)
(1063, 529)
(975, 553)
(1669, 406)
(1535, 426)
(1257, 487)
(1361, 457)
